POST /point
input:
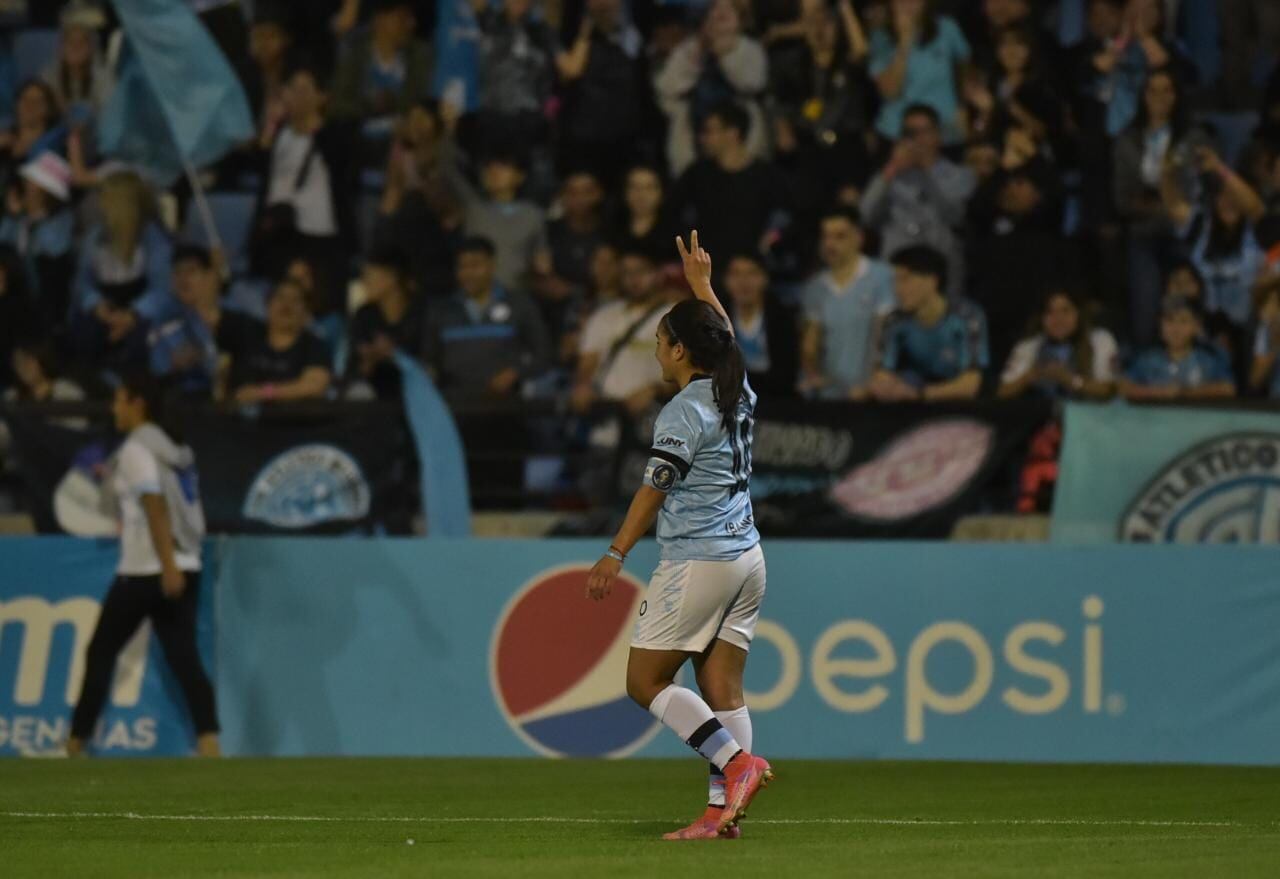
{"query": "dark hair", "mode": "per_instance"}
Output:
(921, 259)
(477, 244)
(731, 115)
(749, 256)
(1082, 340)
(711, 346)
(192, 253)
(1224, 241)
(842, 212)
(1186, 265)
(923, 110)
(636, 252)
(1179, 120)
(929, 26)
(393, 260)
(41, 351)
(50, 97)
(302, 64)
(139, 384)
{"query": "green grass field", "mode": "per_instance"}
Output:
(516, 818)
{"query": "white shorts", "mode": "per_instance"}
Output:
(689, 604)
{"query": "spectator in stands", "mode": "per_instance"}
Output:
(914, 63)
(515, 227)
(764, 327)
(1184, 367)
(305, 205)
(717, 66)
(1160, 141)
(1221, 239)
(1086, 86)
(486, 338)
(185, 350)
(997, 18)
(844, 309)
(1133, 58)
(270, 46)
(644, 222)
(38, 224)
(280, 360)
(615, 354)
(572, 239)
(38, 380)
(934, 349)
(1016, 92)
(18, 321)
(737, 202)
(919, 197)
(419, 215)
(607, 96)
(1264, 376)
(382, 73)
(79, 77)
(35, 128)
(606, 274)
(826, 100)
(517, 73)
(391, 319)
(122, 281)
(1065, 357)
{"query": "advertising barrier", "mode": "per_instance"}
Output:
(50, 596)
(1162, 475)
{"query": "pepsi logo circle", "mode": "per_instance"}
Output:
(558, 666)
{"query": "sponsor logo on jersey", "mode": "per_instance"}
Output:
(921, 469)
(1224, 490)
(557, 665)
(669, 442)
(306, 486)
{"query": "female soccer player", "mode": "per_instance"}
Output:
(704, 598)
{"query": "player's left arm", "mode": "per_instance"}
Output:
(697, 271)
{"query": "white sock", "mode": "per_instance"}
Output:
(685, 714)
(738, 723)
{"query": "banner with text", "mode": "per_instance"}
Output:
(1164, 475)
(50, 597)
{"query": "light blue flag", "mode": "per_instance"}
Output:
(457, 54)
(442, 465)
(176, 101)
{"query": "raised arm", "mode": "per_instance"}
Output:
(697, 271)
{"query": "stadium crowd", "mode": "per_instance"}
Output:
(904, 199)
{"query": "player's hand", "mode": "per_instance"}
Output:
(600, 580)
(697, 262)
(172, 583)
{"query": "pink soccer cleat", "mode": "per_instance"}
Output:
(743, 777)
(706, 827)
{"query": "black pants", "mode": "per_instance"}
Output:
(130, 601)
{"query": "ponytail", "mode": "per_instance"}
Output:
(712, 348)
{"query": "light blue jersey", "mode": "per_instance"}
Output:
(705, 472)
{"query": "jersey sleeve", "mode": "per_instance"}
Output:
(138, 469)
(1022, 360)
(675, 441)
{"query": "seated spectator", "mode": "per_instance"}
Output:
(919, 197)
(764, 327)
(845, 308)
(485, 339)
(185, 350)
(1161, 139)
(933, 349)
(1264, 376)
(39, 225)
(36, 128)
(719, 65)
(1184, 367)
(280, 360)
(914, 63)
(418, 214)
(79, 77)
(737, 202)
(517, 73)
(382, 73)
(615, 353)
(826, 100)
(122, 281)
(391, 319)
(1065, 358)
(37, 377)
(1221, 239)
(305, 205)
(495, 212)
(571, 239)
(644, 221)
(607, 96)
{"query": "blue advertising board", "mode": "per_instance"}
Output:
(51, 589)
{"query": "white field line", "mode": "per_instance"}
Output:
(553, 819)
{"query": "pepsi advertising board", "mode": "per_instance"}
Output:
(897, 651)
(51, 591)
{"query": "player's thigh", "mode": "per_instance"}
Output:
(683, 606)
(719, 670)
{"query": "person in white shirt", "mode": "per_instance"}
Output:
(1068, 358)
(153, 485)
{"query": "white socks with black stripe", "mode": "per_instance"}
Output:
(685, 714)
(738, 723)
